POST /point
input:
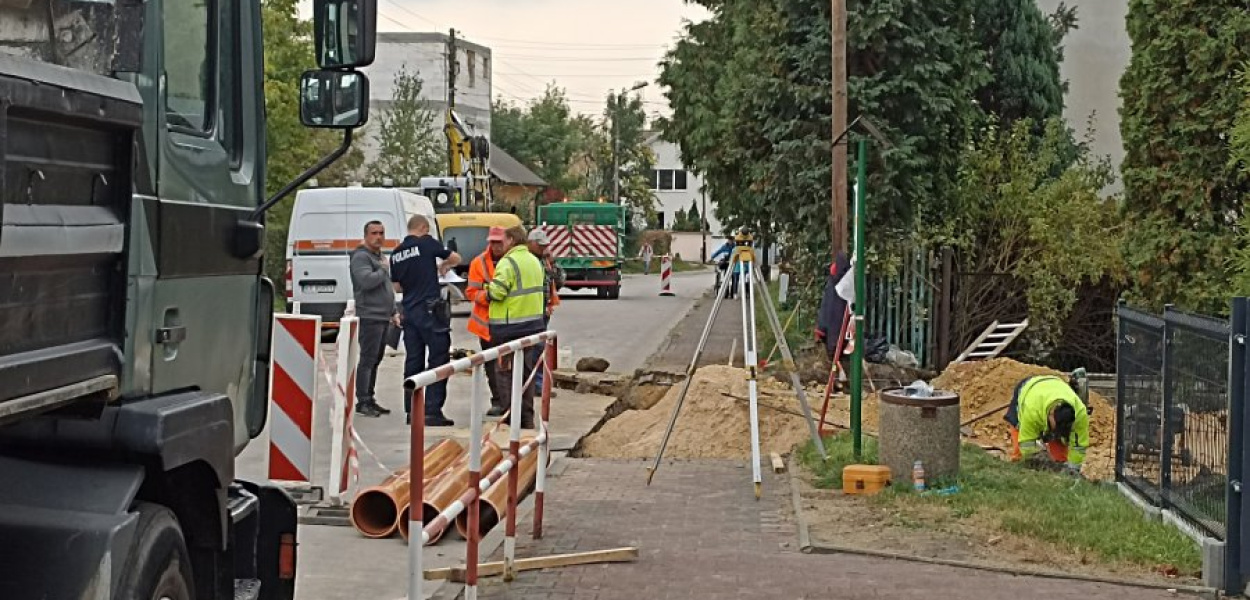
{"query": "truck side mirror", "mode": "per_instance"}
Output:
(345, 32)
(334, 99)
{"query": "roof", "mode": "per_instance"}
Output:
(509, 170)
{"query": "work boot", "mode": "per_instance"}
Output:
(438, 421)
(496, 411)
(381, 409)
(367, 410)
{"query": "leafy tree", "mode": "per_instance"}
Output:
(545, 136)
(627, 116)
(410, 145)
(1241, 157)
(1053, 234)
(1020, 46)
(1183, 194)
(749, 89)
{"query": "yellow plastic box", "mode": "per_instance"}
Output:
(864, 479)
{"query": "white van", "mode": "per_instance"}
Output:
(327, 224)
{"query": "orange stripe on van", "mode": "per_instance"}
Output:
(336, 246)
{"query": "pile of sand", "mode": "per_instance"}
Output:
(985, 385)
(712, 423)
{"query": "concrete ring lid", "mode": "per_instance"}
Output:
(937, 398)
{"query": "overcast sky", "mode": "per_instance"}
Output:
(587, 47)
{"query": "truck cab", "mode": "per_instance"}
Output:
(134, 342)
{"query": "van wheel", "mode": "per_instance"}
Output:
(159, 566)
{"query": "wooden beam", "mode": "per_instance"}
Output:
(778, 465)
(614, 555)
(839, 200)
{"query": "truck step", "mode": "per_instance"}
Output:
(246, 589)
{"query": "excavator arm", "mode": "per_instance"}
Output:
(469, 157)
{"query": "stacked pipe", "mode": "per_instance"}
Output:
(377, 511)
(494, 502)
(447, 487)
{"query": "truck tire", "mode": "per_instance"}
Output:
(614, 292)
(158, 566)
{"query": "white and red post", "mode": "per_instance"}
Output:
(344, 463)
(666, 275)
(292, 390)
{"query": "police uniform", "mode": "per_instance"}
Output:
(427, 315)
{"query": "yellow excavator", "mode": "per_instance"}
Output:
(466, 187)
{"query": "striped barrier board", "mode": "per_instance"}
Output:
(557, 239)
(666, 276)
(594, 240)
(292, 389)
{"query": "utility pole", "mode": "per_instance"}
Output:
(702, 220)
(616, 153)
(453, 69)
(839, 200)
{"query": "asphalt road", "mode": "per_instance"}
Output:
(336, 563)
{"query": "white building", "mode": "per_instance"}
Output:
(426, 54)
(676, 188)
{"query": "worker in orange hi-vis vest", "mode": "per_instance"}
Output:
(482, 270)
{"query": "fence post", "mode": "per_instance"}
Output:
(944, 309)
(1165, 454)
(1235, 501)
(1121, 368)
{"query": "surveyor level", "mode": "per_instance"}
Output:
(744, 254)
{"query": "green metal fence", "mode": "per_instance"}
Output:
(902, 306)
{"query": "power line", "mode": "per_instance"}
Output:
(405, 9)
(548, 58)
(643, 76)
(564, 44)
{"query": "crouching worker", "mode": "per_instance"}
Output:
(1046, 412)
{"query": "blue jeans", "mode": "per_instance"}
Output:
(540, 350)
(428, 345)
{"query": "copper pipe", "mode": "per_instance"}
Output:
(447, 487)
(495, 501)
(376, 509)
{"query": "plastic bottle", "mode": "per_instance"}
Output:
(917, 476)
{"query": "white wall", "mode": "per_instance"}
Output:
(426, 54)
(1095, 56)
(668, 156)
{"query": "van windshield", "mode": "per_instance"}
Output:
(83, 36)
(470, 241)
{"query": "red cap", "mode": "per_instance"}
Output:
(497, 234)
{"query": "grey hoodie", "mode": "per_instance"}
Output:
(371, 284)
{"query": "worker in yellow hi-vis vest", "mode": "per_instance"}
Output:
(1046, 412)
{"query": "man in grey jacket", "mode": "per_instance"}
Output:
(375, 306)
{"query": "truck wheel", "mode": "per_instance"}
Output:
(158, 567)
(614, 292)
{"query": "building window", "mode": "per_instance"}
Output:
(485, 68)
(471, 58)
(668, 180)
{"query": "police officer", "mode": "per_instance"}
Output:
(426, 314)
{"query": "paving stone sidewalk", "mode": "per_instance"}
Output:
(702, 535)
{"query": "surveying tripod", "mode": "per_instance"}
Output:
(744, 255)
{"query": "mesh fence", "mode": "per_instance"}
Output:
(1173, 411)
(1139, 395)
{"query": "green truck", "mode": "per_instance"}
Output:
(135, 331)
(586, 241)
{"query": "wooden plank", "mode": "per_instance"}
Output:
(457, 574)
(778, 465)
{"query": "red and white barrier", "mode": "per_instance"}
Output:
(292, 389)
(344, 463)
(666, 275)
(479, 483)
